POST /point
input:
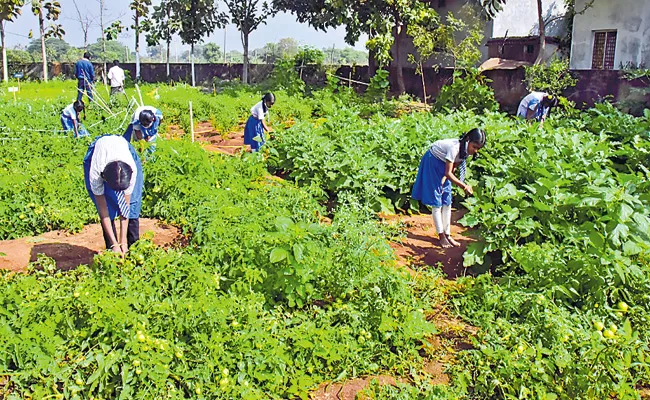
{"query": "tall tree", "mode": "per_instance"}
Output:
(212, 53)
(140, 10)
(198, 18)
(384, 21)
(85, 20)
(9, 10)
(52, 13)
(248, 15)
(163, 25)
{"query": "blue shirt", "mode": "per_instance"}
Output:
(84, 69)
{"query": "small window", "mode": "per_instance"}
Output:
(442, 3)
(530, 49)
(604, 50)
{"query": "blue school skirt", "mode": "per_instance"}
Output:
(428, 187)
(111, 196)
(68, 125)
(254, 128)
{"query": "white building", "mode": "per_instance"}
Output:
(610, 34)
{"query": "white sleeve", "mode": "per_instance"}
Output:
(451, 153)
(258, 111)
(110, 74)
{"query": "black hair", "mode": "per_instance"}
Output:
(550, 101)
(146, 118)
(87, 55)
(268, 98)
(78, 105)
(117, 175)
(475, 135)
(116, 62)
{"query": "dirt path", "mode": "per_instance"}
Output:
(420, 248)
(69, 250)
(230, 143)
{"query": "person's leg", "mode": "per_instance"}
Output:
(446, 212)
(133, 231)
(89, 91)
(80, 89)
(107, 239)
(437, 222)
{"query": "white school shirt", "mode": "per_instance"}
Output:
(136, 116)
(258, 111)
(70, 112)
(531, 101)
(109, 149)
(116, 75)
(446, 150)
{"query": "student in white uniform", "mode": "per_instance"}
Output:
(114, 180)
(436, 174)
(536, 105)
(117, 77)
(71, 119)
(144, 126)
(256, 124)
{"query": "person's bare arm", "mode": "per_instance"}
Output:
(105, 220)
(449, 174)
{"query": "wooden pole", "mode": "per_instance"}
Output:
(191, 122)
(350, 80)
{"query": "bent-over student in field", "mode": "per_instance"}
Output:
(114, 180)
(436, 174)
(71, 119)
(537, 105)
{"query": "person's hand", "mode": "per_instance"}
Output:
(124, 247)
(468, 190)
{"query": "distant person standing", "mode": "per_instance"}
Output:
(116, 76)
(85, 73)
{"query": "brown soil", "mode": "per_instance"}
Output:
(421, 248)
(70, 250)
(349, 390)
(230, 143)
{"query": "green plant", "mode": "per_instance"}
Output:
(554, 78)
(469, 90)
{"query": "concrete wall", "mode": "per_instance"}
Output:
(519, 18)
(631, 20)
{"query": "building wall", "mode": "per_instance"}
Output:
(631, 20)
(519, 18)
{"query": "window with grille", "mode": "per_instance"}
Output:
(604, 50)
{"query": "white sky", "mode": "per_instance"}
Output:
(281, 26)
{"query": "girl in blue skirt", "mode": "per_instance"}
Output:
(255, 126)
(71, 119)
(436, 174)
(114, 180)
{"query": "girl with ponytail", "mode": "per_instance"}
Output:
(436, 174)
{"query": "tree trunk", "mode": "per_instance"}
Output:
(397, 60)
(5, 72)
(101, 25)
(168, 50)
(542, 34)
(372, 62)
(41, 25)
(137, 47)
(424, 85)
(192, 64)
(244, 39)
